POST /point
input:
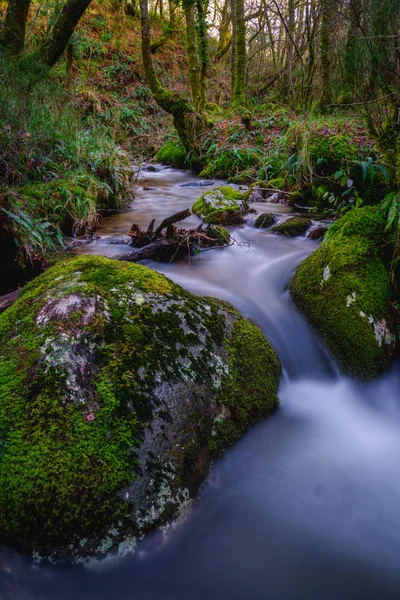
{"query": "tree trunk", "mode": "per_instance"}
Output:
(188, 122)
(203, 50)
(239, 93)
(233, 53)
(325, 49)
(352, 51)
(57, 41)
(193, 61)
(290, 29)
(15, 27)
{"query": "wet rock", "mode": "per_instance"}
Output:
(256, 196)
(148, 188)
(292, 227)
(195, 184)
(117, 241)
(221, 206)
(264, 220)
(275, 198)
(117, 389)
(317, 233)
(150, 169)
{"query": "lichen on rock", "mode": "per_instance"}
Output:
(117, 387)
(344, 291)
(221, 206)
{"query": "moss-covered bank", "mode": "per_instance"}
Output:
(116, 389)
(343, 290)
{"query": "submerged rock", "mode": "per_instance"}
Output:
(292, 227)
(343, 290)
(117, 387)
(264, 220)
(221, 206)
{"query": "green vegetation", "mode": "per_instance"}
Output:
(344, 291)
(82, 352)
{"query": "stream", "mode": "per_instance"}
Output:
(307, 505)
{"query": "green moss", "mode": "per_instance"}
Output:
(343, 290)
(222, 205)
(172, 153)
(220, 234)
(263, 185)
(250, 392)
(83, 352)
(278, 183)
(292, 227)
(264, 220)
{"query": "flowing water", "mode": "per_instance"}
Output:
(307, 505)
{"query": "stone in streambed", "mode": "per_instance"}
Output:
(292, 227)
(264, 220)
(221, 206)
(117, 387)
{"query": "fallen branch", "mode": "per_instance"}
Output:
(169, 242)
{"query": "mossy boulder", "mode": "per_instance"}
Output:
(292, 227)
(221, 206)
(343, 290)
(264, 220)
(117, 387)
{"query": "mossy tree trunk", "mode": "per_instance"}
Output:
(239, 92)
(192, 53)
(56, 42)
(225, 38)
(201, 6)
(233, 53)
(15, 27)
(188, 122)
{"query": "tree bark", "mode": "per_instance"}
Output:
(193, 61)
(325, 49)
(188, 122)
(203, 50)
(239, 93)
(15, 27)
(57, 41)
(290, 30)
(351, 56)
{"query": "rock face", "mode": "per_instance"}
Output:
(264, 220)
(292, 227)
(221, 206)
(117, 387)
(343, 290)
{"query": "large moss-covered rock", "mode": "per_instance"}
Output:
(343, 290)
(117, 387)
(292, 227)
(221, 206)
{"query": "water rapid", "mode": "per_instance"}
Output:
(306, 506)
